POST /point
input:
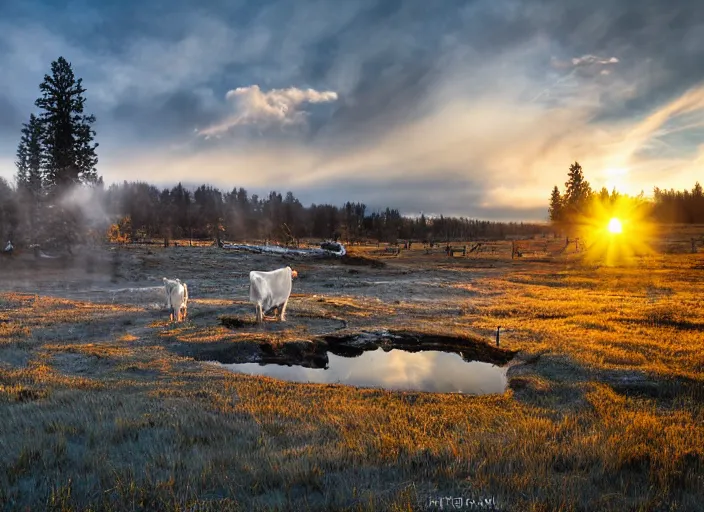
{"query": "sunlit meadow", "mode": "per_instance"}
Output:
(106, 406)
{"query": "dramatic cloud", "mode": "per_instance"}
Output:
(277, 106)
(464, 107)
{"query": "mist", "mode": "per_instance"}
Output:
(90, 201)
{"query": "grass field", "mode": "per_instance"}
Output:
(102, 409)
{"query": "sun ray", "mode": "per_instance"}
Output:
(615, 230)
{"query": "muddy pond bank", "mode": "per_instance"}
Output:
(311, 352)
(390, 359)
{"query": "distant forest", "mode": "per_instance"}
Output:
(665, 207)
(209, 213)
(59, 200)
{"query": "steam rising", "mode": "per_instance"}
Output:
(90, 202)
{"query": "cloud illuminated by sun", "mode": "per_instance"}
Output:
(616, 178)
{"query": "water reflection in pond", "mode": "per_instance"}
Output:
(432, 371)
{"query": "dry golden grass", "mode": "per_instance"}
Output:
(624, 318)
(606, 414)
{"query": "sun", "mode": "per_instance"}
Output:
(615, 231)
(615, 226)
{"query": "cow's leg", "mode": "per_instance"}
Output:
(282, 311)
(185, 314)
(260, 314)
(171, 314)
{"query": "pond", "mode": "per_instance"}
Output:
(397, 370)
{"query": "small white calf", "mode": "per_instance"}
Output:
(176, 299)
(269, 290)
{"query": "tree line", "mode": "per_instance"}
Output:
(675, 206)
(134, 211)
(208, 212)
(579, 201)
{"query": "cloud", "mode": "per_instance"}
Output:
(492, 155)
(10, 119)
(587, 60)
(280, 107)
(474, 107)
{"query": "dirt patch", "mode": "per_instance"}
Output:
(222, 352)
(468, 347)
(310, 354)
(237, 322)
(348, 259)
(309, 322)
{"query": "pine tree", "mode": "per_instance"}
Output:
(604, 196)
(68, 136)
(68, 147)
(29, 172)
(555, 209)
(578, 191)
(30, 157)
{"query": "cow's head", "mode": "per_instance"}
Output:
(294, 274)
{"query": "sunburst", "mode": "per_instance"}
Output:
(614, 231)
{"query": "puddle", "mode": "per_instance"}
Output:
(395, 369)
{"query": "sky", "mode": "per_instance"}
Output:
(473, 107)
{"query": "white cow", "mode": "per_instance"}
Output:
(269, 290)
(176, 298)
